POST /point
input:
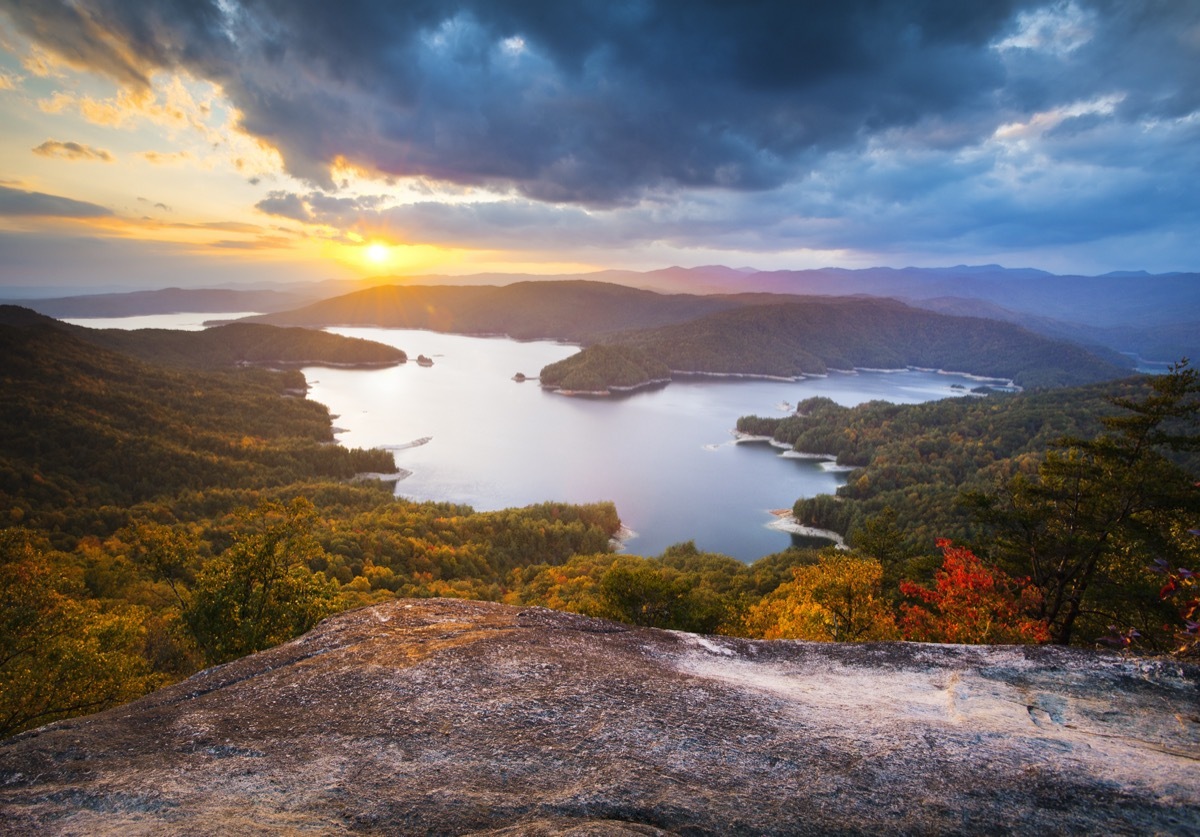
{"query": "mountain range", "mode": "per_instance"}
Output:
(1152, 316)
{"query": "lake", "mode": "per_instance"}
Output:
(666, 457)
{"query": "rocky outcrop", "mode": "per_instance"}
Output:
(455, 717)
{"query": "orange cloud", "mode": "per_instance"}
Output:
(72, 151)
(165, 158)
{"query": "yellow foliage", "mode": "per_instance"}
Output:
(837, 599)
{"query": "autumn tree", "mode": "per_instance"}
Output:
(1098, 512)
(838, 599)
(260, 591)
(970, 603)
(61, 652)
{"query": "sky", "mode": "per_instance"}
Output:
(147, 143)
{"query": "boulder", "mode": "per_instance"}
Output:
(458, 717)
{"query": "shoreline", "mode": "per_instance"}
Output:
(619, 542)
(329, 364)
(601, 393)
(785, 522)
(1004, 384)
(368, 476)
(789, 379)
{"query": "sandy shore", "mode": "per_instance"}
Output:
(785, 522)
(396, 476)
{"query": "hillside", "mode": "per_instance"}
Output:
(452, 717)
(916, 458)
(1126, 312)
(245, 344)
(577, 311)
(1164, 342)
(790, 339)
(221, 347)
(85, 427)
(158, 520)
(751, 333)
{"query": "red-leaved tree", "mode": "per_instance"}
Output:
(972, 604)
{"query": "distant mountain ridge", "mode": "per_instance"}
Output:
(168, 301)
(751, 333)
(1156, 316)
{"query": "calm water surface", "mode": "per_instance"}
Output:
(179, 322)
(665, 457)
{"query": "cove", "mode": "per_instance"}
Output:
(666, 457)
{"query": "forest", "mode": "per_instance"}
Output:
(161, 517)
(791, 339)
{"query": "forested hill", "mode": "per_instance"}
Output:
(570, 310)
(224, 346)
(758, 333)
(813, 336)
(86, 430)
(156, 519)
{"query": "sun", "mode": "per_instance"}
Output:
(377, 252)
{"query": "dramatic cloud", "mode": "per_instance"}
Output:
(17, 202)
(916, 126)
(596, 102)
(72, 151)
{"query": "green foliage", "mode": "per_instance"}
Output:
(260, 592)
(87, 433)
(918, 458)
(649, 593)
(198, 520)
(603, 368)
(810, 336)
(1089, 524)
(682, 589)
(243, 343)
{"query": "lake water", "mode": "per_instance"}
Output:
(186, 321)
(666, 457)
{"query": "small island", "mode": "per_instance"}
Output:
(604, 369)
(519, 377)
(422, 360)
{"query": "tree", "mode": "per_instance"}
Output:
(61, 653)
(838, 599)
(644, 592)
(260, 592)
(971, 604)
(880, 537)
(1098, 512)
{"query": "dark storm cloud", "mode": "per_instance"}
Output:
(862, 124)
(17, 202)
(590, 102)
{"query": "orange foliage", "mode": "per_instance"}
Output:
(971, 604)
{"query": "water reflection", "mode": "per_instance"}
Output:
(666, 457)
